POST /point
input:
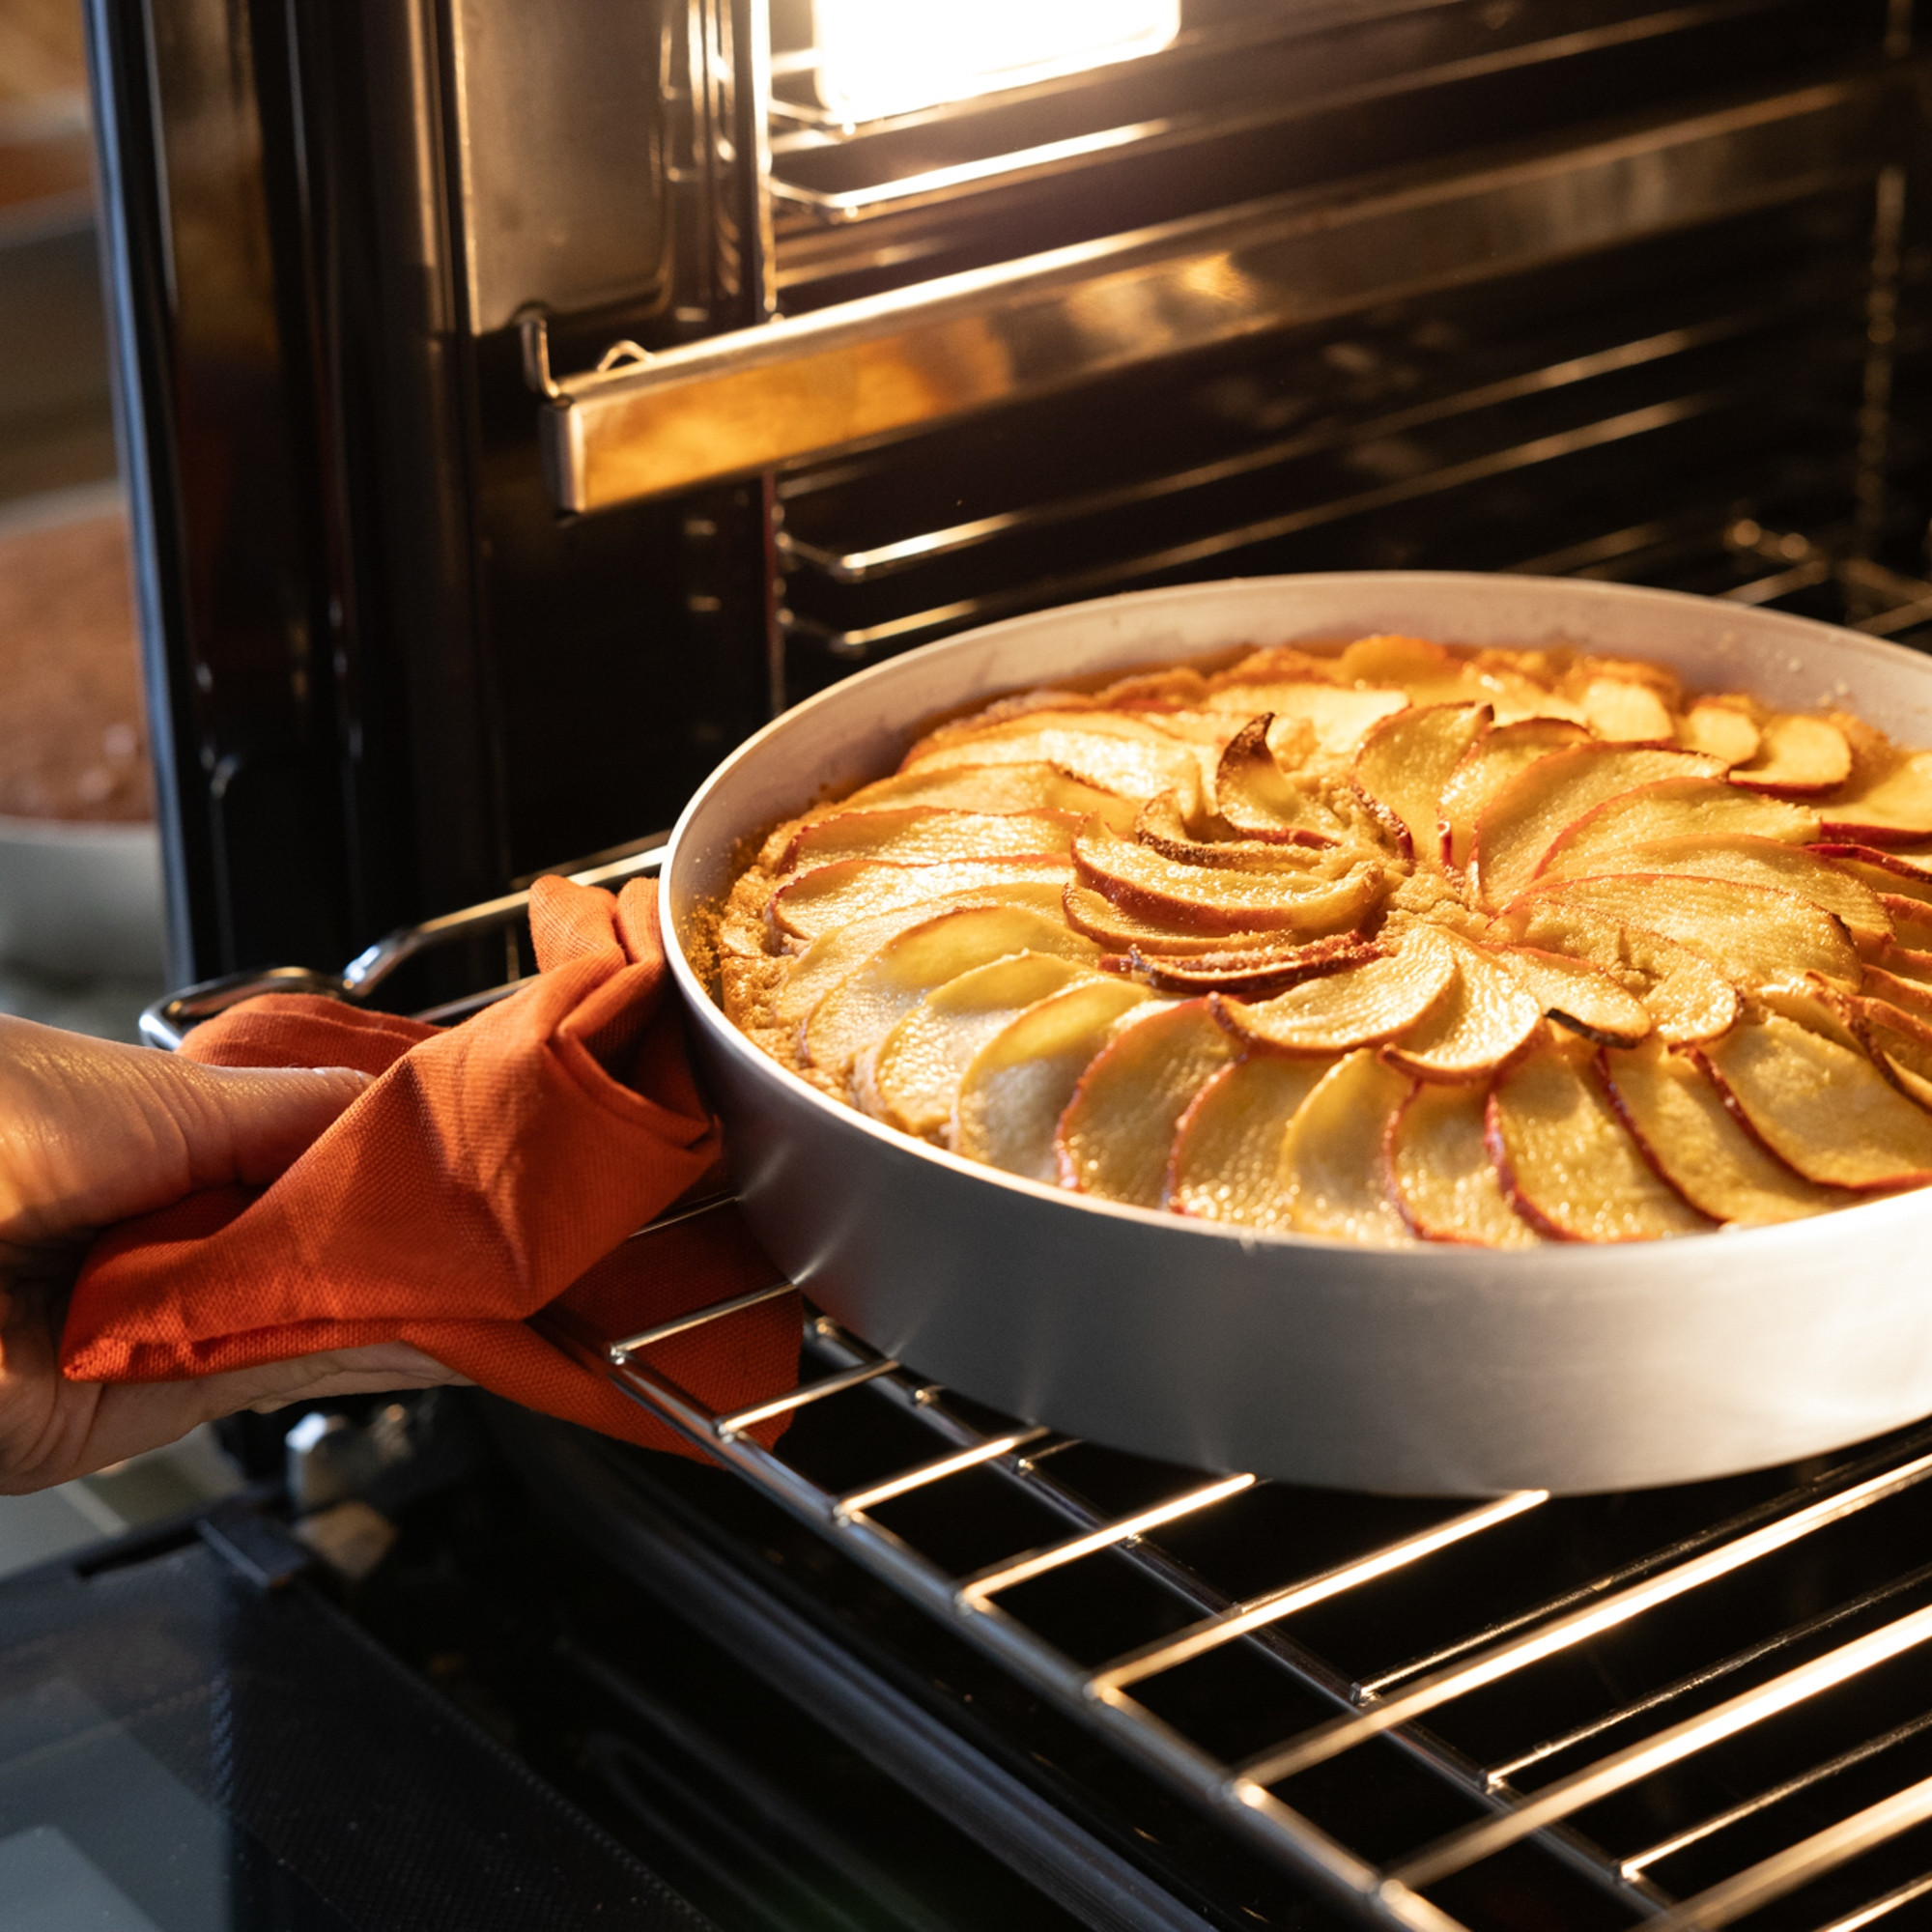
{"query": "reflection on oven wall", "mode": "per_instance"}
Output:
(523, 402)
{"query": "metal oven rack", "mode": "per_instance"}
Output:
(1775, 1772)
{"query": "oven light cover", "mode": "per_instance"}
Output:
(881, 57)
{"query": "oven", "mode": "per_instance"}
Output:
(520, 405)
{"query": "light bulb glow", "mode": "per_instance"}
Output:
(880, 57)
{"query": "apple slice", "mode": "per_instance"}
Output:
(1882, 872)
(1119, 931)
(1620, 711)
(870, 1000)
(1797, 754)
(1523, 821)
(1218, 900)
(1685, 995)
(1755, 936)
(1017, 1086)
(1226, 1159)
(1432, 674)
(1334, 1160)
(1681, 1121)
(1161, 826)
(1250, 976)
(1892, 805)
(1491, 765)
(911, 1078)
(1277, 663)
(1911, 921)
(1121, 755)
(1765, 861)
(1897, 1042)
(1821, 1107)
(918, 834)
(1116, 1132)
(1255, 797)
(1579, 997)
(1671, 809)
(1486, 1015)
(1338, 716)
(1021, 788)
(1361, 1006)
(1405, 760)
(1914, 996)
(1722, 729)
(1447, 1187)
(828, 897)
(1568, 1163)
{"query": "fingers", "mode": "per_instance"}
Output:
(91, 1132)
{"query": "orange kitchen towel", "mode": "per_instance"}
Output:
(492, 1170)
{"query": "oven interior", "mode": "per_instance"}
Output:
(1593, 286)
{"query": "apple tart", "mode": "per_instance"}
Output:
(1409, 943)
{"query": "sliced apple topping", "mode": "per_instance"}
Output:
(1338, 718)
(1822, 1107)
(1221, 899)
(1334, 1156)
(917, 834)
(1797, 755)
(1160, 826)
(1697, 808)
(1255, 975)
(1568, 1163)
(1003, 788)
(1120, 931)
(1521, 823)
(1017, 1086)
(1407, 761)
(1724, 729)
(1680, 1121)
(1477, 945)
(1685, 995)
(827, 896)
(1488, 767)
(1255, 797)
(1226, 1160)
(1892, 806)
(814, 973)
(1446, 1185)
(1764, 862)
(1136, 762)
(1358, 1008)
(871, 999)
(1118, 1130)
(1755, 936)
(1882, 872)
(1487, 1015)
(911, 1078)
(1585, 999)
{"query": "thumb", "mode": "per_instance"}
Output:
(247, 1123)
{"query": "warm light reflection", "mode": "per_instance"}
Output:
(878, 57)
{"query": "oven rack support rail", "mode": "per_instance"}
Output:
(1392, 1707)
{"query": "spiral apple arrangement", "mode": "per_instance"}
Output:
(1406, 944)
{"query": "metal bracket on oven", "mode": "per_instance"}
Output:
(167, 1022)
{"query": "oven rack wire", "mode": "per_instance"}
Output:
(1403, 1707)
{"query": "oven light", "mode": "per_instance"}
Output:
(878, 57)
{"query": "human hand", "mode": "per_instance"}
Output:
(92, 1133)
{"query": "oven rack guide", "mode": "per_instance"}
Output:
(1393, 1708)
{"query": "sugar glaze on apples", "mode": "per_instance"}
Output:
(1400, 944)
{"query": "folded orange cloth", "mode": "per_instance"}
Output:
(492, 1170)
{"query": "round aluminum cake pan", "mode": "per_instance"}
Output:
(1439, 1370)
